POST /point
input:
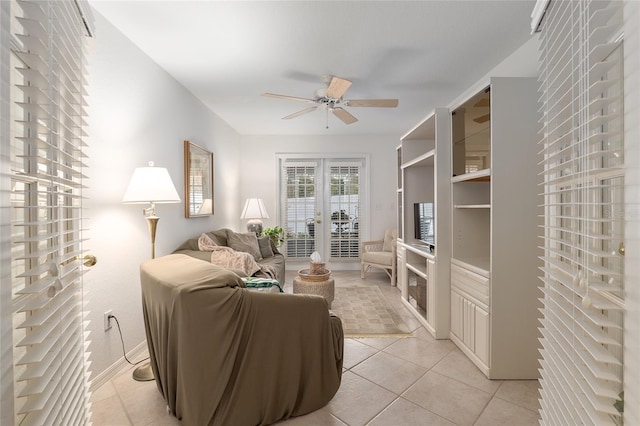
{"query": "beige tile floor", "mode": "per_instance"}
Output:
(386, 382)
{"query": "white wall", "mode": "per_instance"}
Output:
(139, 113)
(523, 62)
(260, 178)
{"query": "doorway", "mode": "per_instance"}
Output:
(322, 207)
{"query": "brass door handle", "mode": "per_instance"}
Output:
(89, 260)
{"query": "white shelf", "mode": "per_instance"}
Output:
(425, 159)
(482, 175)
(420, 249)
(472, 206)
(417, 270)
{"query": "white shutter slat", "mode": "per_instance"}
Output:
(34, 371)
(34, 94)
(591, 330)
(46, 318)
(47, 179)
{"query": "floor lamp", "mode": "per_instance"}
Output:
(151, 185)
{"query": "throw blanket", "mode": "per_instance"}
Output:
(228, 258)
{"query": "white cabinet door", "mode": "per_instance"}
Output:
(401, 271)
(431, 292)
(456, 314)
(481, 334)
(468, 321)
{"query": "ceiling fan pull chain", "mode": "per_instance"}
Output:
(327, 119)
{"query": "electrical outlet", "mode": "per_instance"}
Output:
(107, 320)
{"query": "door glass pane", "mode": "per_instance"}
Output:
(344, 187)
(300, 209)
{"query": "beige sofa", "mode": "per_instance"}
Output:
(224, 355)
(220, 237)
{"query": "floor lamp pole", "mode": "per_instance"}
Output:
(152, 221)
(144, 373)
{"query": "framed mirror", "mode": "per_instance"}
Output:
(198, 181)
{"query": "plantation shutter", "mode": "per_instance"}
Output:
(344, 204)
(581, 76)
(48, 79)
(300, 206)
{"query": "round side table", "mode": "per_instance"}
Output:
(325, 289)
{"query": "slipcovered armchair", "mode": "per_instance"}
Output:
(380, 254)
(222, 354)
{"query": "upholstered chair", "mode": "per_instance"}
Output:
(380, 254)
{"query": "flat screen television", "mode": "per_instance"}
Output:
(423, 223)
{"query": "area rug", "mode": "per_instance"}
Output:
(365, 312)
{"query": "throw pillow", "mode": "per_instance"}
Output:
(265, 246)
(247, 243)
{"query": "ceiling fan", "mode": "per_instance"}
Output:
(331, 99)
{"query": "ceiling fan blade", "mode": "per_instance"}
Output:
(290, 98)
(337, 87)
(482, 118)
(378, 103)
(296, 114)
(344, 115)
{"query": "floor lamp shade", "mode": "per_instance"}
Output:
(254, 210)
(151, 185)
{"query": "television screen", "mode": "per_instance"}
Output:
(423, 221)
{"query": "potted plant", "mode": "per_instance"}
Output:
(276, 234)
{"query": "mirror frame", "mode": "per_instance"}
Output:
(198, 179)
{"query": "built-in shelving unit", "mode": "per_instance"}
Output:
(495, 221)
(424, 170)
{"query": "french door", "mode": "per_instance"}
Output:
(47, 365)
(321, 203)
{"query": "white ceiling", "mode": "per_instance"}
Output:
(425, 53)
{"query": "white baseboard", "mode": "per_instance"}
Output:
(118, 366)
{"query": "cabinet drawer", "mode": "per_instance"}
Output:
(471, 284)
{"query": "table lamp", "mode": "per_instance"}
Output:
(254, 210)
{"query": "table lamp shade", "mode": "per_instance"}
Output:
(151, 185)
(254, 209)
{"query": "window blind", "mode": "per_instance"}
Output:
(48, 113)
(582, 150)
